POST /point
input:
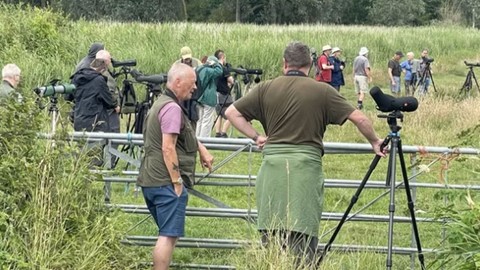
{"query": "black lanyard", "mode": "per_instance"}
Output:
(295, 73)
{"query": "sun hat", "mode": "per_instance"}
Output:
(363, 51)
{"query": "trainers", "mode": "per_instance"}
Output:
(218, 135)
(223, 135)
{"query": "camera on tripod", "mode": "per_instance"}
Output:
(428, 60)
(245, 72)
(54, 88)
(313, 53)
(471, 64)
(153, 82)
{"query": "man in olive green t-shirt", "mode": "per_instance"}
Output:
(294, 111)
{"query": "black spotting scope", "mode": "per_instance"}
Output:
(388, 103)
(153, 79)
(125, 63)
(244, 71)
(472, 64)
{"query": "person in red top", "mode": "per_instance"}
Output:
(324, 67)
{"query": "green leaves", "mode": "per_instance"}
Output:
(461, 249)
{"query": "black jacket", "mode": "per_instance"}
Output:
(92, 100)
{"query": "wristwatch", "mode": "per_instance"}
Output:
(178, 182)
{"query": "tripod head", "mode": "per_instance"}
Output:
(392, 120)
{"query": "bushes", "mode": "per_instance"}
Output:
(461, 249)
(51, 210)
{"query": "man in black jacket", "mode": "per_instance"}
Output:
(92, 97)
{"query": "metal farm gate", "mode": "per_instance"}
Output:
(221, 210)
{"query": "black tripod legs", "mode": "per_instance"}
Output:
(395, 148)
(354, 199)
(411, 206)
(468, 84)
(476, 82)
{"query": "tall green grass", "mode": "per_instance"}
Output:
(47, 45)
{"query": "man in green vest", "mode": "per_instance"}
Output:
(294, 111)
(10, 81)
(168, 165)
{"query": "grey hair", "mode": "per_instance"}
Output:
(297, 55)
(178, 70)
(10, 71)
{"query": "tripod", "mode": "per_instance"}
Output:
(227, 101)
(422, 82)
(395, 148)
(314, 63)
(468, 84)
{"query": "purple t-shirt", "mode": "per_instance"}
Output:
(170, 118)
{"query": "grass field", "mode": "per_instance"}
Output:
(47, 46)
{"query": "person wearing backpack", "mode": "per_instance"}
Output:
(324, 67)
(224, 86)
(207, 77)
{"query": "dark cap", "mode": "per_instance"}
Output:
(399, 53)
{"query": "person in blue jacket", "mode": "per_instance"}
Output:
(338, 66)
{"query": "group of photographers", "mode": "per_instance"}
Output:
(293, 109)
(216, 82)
(417, 73)
(329, 69)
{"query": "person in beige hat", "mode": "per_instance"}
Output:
(324, 67)
(361, 75)
(187, 57)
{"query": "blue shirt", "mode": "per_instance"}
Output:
(405, 65)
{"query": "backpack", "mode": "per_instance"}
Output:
(190, 105)
(200, 89)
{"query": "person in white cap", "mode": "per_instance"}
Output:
(361, 75)
(187, 57)
(337, 71)
(324, 67)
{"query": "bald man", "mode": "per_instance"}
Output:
(169, 161)
(114, 113)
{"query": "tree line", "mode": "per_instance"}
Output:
(347, 12)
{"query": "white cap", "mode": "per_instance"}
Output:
(336, 49)
(326, 48)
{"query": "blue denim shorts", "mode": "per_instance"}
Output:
(395, 88)
(167, 209)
